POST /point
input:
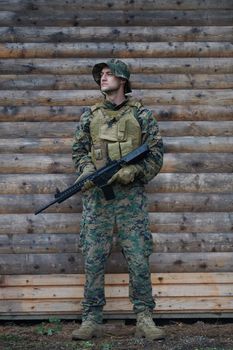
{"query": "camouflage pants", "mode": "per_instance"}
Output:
(129, 213)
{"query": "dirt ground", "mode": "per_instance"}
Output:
(56, 335)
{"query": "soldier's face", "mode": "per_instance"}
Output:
(108, 81)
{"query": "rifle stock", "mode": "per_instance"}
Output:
(101, 177)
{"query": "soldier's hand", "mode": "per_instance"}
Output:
(125, 175)
(87, 170)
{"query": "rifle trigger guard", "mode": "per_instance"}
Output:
(57, 194)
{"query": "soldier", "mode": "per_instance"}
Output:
(108, 131)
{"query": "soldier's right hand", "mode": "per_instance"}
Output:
(87, 170)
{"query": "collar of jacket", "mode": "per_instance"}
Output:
(113, 106)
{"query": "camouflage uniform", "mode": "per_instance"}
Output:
(128, 212)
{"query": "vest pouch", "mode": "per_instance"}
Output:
(114, 151)
(126, 147)
(121, 132)
(108, 133)
(98, 155)
(117, 131)
(117, 150)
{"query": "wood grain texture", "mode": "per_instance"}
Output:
(58, 17)
(120, 50)
(36, 34)
(187, 65)
(166, 242)
(159, 222)
(164, 183)
(19, 5)
(138, 81)
(62, 293)
(180, 55)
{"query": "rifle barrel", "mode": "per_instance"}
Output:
(45, 207)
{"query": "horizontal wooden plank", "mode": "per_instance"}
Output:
(39, 263)
(72, 113)
(159, 222)
(73, 263)
(43, 223)
(193, 262)
(159, 202)
(188, 65)
(179, 305)
(42, 243)
(19, 5)
(171, 144)
(23, 163)
(38, 307)
(191, 112)
(138, 81)
(184, 278)
(184, 33)
(174, 97)
(192, 242)
(191, 222)
(173, 163)
(117, 279)
(31, 132)
(198, 144)
(113, 292)
(51, 82)
(164, 182)
(199, 162)
(73, 292)
(42, 113)
(197, 17)
(65, 279)
(37, 145)
(69, 243)
(29, 183)
(120, 50)
(204, 129)
(20, 204)
(194, 304)
(89, 97)
(189, 202)
(197, 183)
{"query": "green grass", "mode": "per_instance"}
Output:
(54, 326)
(10, 338)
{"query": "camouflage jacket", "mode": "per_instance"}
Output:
(150, 166)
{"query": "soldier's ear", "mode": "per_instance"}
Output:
(123, 81)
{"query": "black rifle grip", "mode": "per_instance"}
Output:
(108, 192)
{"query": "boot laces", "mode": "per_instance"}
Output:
(88, 324)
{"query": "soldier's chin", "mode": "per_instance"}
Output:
(107, 90)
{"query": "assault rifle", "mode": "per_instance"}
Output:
(101, 177)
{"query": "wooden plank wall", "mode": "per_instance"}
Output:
(181, 57)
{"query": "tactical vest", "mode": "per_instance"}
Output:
(114, 133)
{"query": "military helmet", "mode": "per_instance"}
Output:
(117, 67)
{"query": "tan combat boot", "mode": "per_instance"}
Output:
(87, 330)
(145, 327)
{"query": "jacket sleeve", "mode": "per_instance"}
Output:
(152, 164)
(82, 143)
